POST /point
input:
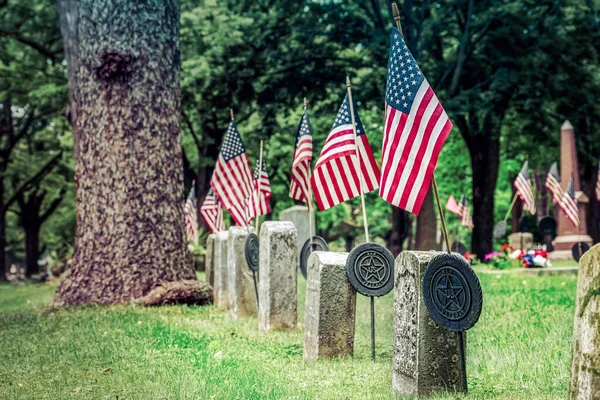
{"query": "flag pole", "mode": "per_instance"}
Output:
(309, 200)
(260, 164)
(512, 204)
(461, 346)
(360, 175)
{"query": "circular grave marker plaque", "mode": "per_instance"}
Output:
(370, 269)
(458, 247)
(575, 250)
(452, 292)
(523, 224)
(547, 226)
(500, 230)
(251, 250)
(318, 244)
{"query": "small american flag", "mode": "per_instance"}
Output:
(523, 186)
(416, 126)
(452, 206)
(232, 178)
(569, 204)
(336, 177)
(466, 219)
(299, 189)
(553, 183)
(598, 183)
(261, 193)
(191, 217)
(212, 212)
(462, 204)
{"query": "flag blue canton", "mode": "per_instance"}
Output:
(343, 117)
(404, 76)
(304, 128)
(571, 189)
(264, 168)
(232, 145)
(525, 170)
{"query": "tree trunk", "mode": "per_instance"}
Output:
(485, 160)
(32, 248)
(128, 168)
(400, 228)
(4, 265)
(427, 225)
(517, 212)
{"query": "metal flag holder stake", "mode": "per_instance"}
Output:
(500, 227)
(451, 289)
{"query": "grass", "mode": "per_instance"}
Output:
(520, 349)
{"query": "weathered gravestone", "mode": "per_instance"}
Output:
(426, 356)
(278, 288)
(521, 239)
(298, 215)
(585, 364)
(330, 307)
(242, 296)
(209, 259)
(220, 274)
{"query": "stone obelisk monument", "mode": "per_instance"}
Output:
(568, 234)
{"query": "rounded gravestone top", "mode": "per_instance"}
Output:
(523, 224)
(370, 269)
(577, 252)
(318, 244)
(547, 226)
(452, 292)
(251, 250)
(459, 247)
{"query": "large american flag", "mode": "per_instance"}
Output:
(299, 187)
(261, 192)
(598, 183)
(232, 178)
(212, 212)
(523, 186)
(191, 217)
(569, 204)
(336, 177)
(553, 184)
(416, 126)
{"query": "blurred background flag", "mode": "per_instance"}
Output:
(232, 177)
(299, 189)
(191, 216)
(416, 126)
(462, 204)
(336, 178)
(452, 205)
(553, 183)
(466, 219)
(261, 193)
(523, 187)
(212, 212)
(569, 204)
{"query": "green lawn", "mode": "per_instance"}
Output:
(519, 350)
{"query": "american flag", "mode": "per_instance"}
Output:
(212, 212)
(462, 204)
(416, 126)
(523, 186)
(336, 177)
(598, 183)
(259, 200)
(232, 178)
(569, 204)
(452, 206)
(466, 219)
(299, 188)
(191, 217)
(553, 184)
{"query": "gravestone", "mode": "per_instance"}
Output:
(242, 297)
(298, 215)
(426, 356)
(209, 259)
(585, 362)
(278, 288)
(330, 307)
(515, 240)
(220, 262)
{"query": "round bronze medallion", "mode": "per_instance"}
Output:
(575, 250)
(318, 244)
(370, 269)
(452, 292)
(251, 251)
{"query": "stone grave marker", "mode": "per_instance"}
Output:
(220, 275)
(242, 298)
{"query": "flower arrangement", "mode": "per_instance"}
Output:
(499, 259)
(536, 258)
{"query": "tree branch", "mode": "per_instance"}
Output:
(43, 50)
(53, 206)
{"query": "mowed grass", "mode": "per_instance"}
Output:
(520, 349)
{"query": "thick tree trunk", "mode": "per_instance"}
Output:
(427, 225)
(485, 160)
(129, 174)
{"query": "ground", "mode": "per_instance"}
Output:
(520, 349)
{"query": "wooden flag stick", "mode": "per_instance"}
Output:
(359, 170)
(260, 163)
(231, 114)
(512, 204)
(309, 203)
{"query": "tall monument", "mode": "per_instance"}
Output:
(568, 234)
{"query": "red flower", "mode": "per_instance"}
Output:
(505, 246)
(467, 255)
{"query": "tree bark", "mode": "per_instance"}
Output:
(427, 225)
(128, 167)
